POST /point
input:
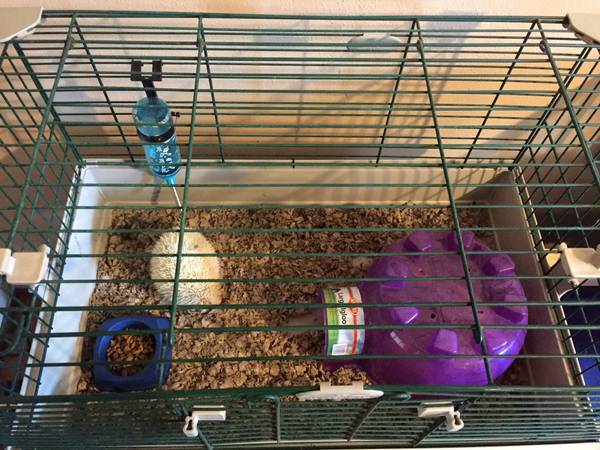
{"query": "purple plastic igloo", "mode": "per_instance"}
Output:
(441, 341)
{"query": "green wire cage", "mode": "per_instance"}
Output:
(308, 143)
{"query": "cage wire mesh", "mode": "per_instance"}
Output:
(308, 144)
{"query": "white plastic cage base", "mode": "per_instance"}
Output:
(62, 379)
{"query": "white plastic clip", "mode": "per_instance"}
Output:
(355, 391)
(453, 420)
(580, 263)
(190, 428)
(24, 268)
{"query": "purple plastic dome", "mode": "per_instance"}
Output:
(504, 287)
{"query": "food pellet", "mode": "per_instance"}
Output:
(129, 348)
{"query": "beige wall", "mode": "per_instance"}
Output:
(512, 7)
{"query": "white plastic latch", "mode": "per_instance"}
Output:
(24, 268)
(453, 420)
(580, 263)
(209, 413)
(350, 392)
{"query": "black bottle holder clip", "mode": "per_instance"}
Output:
(147, 80)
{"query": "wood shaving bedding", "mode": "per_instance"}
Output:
(189, 376)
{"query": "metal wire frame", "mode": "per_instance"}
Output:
(455, 94)
(385, 422)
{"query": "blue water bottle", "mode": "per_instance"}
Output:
(155, 129)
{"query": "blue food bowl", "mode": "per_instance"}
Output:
(148, 378)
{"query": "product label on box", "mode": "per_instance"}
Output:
(348, 341)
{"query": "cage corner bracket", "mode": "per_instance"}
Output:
(585, 26)
(16, 23)
(453, 421)
(24, 268)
